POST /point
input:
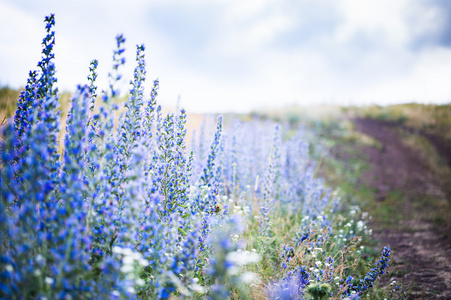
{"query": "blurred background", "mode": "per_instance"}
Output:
(369, 82)
(239, 56)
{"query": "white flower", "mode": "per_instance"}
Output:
(318, 263)
(131, 290)
(127, 251)
(9, 268)
(140, 282)
(127, 268)
(249, 277)
(49, 280)
(198, 288)
(243, 258)
(39, 258)
(233, 270)
(37, 272)
(128, 260)
(115, 293)
(360, 225)
(143, 262)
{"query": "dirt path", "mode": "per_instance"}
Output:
(421, 253)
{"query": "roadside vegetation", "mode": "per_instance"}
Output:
(399, 170)
(105, 197)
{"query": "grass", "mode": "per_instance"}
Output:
(343, 172)
(430, 118)
(8, 100)
(8, 104)
(342, 165)
(428, 154)
(334, 124)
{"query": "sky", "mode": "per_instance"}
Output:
(242, 55)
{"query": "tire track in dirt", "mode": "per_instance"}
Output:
(421, 257)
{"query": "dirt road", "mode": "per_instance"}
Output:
(421, 249)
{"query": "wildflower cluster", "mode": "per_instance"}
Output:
(121, 208)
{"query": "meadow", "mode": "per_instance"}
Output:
(106, 198)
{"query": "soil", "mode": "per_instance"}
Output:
(421, 251)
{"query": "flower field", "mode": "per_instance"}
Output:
(129, 209)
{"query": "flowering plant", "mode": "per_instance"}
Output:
(119, 208)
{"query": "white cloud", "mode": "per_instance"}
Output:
(18, 54)
(238, 55)
(379, 18)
